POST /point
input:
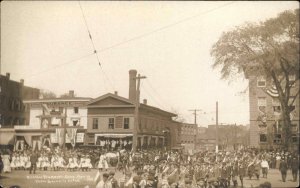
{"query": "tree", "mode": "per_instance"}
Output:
(47, 94)
(269, 48)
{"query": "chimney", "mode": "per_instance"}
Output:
(22, 82)
(71, 93)
(145, 101)
(8, 75)
(132, 85)
(116, 92)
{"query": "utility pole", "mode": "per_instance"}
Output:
(136, 112)
(195, 115)
(64, 124)
(217, 129)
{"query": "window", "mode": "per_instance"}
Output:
(95, 123)
(262, 103)
(276, 106)
(126, 123)
(75, 110)
(277, 127)
(75, 122)
(294, 138)
(294, 127)
(111, 123)
(263, 138)
(292, 80)
(261, 81)
(277, 138)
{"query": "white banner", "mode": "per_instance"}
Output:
(79, 138)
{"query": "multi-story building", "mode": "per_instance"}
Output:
(188, 137)
(49, 118)
(12, 108)
(266, 126)
(111, 119)
(12, 94)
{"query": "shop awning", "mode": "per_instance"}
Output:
(108, 135)
(7, 137)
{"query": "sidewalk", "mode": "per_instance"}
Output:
(274, 177)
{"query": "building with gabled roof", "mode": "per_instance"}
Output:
(111, 122)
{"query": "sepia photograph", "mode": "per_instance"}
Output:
(149, 94)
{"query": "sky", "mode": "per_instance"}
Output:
(47, 44)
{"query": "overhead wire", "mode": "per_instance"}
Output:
(152, 97)
(60, 65)
(129, 40)
(88, 30)
(94, 48)
(159, 96)
(164, 27)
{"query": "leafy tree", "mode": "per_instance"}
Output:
(270, 49)
(47, 94)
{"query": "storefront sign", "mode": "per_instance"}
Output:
(59, 104)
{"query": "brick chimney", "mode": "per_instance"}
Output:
(8, 75)
(22, 82)
(132, 85)
(145, 101)
(116, 92)
(71, 93)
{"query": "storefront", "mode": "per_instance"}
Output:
(113, 141)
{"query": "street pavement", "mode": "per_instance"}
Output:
(74, 179)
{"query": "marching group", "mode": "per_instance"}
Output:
(160, 168)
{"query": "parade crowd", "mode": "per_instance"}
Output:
(157, 168)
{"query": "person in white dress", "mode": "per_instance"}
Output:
(103, 163)
(88, 162)
(22, 161)
(18, 162)
(82, 163)
(54, 162)
(39, 162)
(45, 162)
(75, 162)
(13, 163)
(6, 163)
(27, 162)
(61, 162)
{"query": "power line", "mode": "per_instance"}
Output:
(90, 36)
(158, 95)
(163, 28)
(95, 51)
(60, 65)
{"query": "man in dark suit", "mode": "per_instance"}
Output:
(33, 160)
(295, 167)
(283, 167)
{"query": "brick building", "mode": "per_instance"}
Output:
(188, 137)
(111, 120)
(265, 113)
(12, 108)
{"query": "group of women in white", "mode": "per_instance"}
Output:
(55, 162)
(20, 162)
(84, 163)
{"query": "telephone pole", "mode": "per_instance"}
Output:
(217, 129)
(136, 112)
(195, 114)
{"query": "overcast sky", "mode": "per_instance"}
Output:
(47, 44)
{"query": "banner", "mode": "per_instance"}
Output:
(79, 138)
(71, 135)
(60, 136)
